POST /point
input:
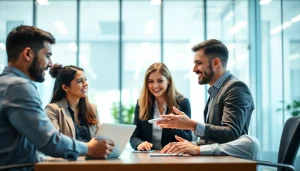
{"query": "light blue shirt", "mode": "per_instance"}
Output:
(246, 147)
(212, 91)
(25, 128)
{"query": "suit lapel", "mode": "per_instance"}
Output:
(69, 120)
(206, 109)
(64, 105)
(149, 126)
(216, 99)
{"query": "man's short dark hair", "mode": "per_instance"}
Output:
(26, 36)
(213, 49)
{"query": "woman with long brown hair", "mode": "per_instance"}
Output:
(158, 97)
(69, 110)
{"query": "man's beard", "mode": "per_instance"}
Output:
(35, 71)
(206, 77)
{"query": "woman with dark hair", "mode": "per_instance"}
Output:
(158, 97)
(69, 110)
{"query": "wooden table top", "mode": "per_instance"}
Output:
(129, 161)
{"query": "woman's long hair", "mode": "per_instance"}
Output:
(146, 99)
(64, 75)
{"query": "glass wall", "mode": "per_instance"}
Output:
(99, 54)
(11, 15)
(116, 41)
(61, 22)
(291, 57)
(271, 122)
(178, 39)
(141, 46)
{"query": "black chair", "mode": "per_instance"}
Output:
(289, 145)
(18, 166)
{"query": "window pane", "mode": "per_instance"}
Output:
(58, 18)
(99, 54)
(291, 42)
(141, 45)
(271, 122)
(12, 14)
(179, 37)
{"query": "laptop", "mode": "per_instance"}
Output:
(119, 133)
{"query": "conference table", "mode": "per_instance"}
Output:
(130, 161)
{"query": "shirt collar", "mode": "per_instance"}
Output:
(63, 103)
(217, 85)
(156, 105)
(10, 69)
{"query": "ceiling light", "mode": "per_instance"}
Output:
(237, 27)
(155, 2)
(280, 27)
(286, 25)
(276, 30)
(295, 19)
(264, 2)
(43, 2)
(61, 28)
(229, 15)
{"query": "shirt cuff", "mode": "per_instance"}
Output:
(200, 129)
(206, 150)
(82, 148)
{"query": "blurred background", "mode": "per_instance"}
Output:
(116, 40)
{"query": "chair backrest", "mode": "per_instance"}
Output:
(290, 141)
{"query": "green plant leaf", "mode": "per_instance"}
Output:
(295, 113)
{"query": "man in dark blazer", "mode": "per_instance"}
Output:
(228, 110)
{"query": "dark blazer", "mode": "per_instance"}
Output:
(143, 131)
(230, 113)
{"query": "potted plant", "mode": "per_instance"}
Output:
(127, 113)
(293, 108)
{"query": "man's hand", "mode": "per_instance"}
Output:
(144, 146)
(181, 147)
(178, 121)
(99, 148)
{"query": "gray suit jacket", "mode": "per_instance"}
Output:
(61, 118)
(230, 113)
(25, 128)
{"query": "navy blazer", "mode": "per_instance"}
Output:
(143, 131)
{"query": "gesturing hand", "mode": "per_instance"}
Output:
(179, 120)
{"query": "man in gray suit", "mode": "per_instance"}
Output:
(25, 128)
(228, 110)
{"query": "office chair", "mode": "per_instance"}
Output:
(289, 145)
(17, 166)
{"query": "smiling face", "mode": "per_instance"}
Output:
(203, 68)
(157, 84)
(78, 86)
(41, 63)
